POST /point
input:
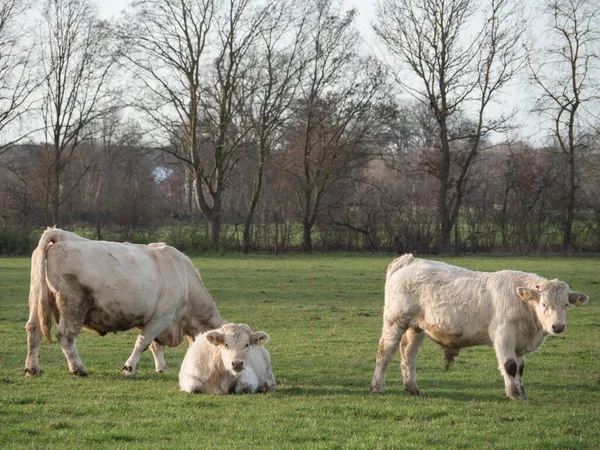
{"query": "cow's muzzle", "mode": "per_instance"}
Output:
(237, 366)
(557, 329)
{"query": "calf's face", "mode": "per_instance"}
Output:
(550, 300)
(234, 342)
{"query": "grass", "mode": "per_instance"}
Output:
(323, 314)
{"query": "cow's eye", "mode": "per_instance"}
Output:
(226, 346)
(545, 305)
(247, 345)
(566, 306)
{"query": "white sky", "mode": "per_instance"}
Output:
(366, 9)
(520, 95)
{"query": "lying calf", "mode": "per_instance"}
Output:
(227, 360)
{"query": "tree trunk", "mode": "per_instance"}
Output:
(55, 189)
(212, 215)
(307, 235)
(443, 211)
(567, 244)
(189, 191)
(214, 231)
(253, 204)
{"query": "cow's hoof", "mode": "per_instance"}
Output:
(412, 391)
(162, 369)
(515, 397)
(513, 393)
(79, 372)
(244, 389)
(375, 389)
(31, 372)
(265, 387)
(128, 370)
(197, 390)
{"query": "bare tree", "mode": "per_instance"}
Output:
(341, 107)
(274, 81)
(78, 58)
(194, 92)
(166, 42)
(238, 25)
(16, 80)
(450, 71)
(566, 71)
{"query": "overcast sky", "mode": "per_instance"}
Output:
(519, 97)
(109, 8)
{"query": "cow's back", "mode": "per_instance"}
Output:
(104, 265)
(432, 279)
(119, 286)
(451, 304)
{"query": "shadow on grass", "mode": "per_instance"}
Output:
(458, 394)
(457, 391)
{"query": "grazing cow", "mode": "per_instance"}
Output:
(109, 287)
(228, 360)
(512, 311)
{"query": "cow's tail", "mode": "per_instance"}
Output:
(39, 295)
(398, 263)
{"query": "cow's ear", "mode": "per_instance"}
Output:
(215, 337)
(577, 298)
(260, 337)
(529, 295)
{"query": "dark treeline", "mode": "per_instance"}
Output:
(267, 126)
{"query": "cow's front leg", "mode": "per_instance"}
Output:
(158, 351)
(150, 331)
(391, 334)
(268, 384)
(409, 349)
(189, 383)
(247, 382)
(519, 377)
(508, 363)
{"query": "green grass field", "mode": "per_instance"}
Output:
(323, 314)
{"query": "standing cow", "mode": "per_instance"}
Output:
(109, 287)
(228, 360)
(512, 311)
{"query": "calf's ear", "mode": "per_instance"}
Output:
(577, 298)
(529, 295)
(215, 338)
(260, 337)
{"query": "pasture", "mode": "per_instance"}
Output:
(323, 314)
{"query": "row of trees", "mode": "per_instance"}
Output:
(270, 124)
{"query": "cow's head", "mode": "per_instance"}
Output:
(234, 341)
(550, 300)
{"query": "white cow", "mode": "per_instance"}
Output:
(512, 311)
(109, 287)
(228, 360)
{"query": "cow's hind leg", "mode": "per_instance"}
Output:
(158, 351)
(409, 349)
(391, 334)
(150, 331)
(34, 338)
(67, 331)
